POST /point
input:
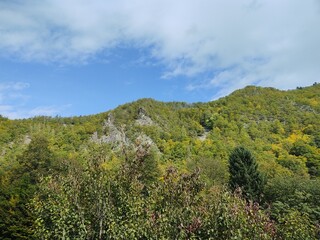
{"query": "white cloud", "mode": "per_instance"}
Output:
(20, 112)
(13, 102)
(267, 42)
(13, 86)
(10, 91)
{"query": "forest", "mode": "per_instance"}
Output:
(245, 166)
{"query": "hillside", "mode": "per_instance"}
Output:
(268, 121)
(280, 128)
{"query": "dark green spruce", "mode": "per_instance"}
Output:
(244, 174)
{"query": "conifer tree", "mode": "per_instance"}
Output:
(244, 174)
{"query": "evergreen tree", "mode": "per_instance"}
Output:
(244, 174)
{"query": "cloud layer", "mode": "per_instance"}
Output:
(269, 43)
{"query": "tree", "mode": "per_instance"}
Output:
(36, 160)
(16, 218)
(244, 174)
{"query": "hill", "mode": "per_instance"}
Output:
(270, 122)
(280, 128)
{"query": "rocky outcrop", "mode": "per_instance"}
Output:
(27, 140)
(143, 119)
(204, 136)
(115, 136)
(145, 140)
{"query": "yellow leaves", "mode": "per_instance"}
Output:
(276, 147)
(293, 137)
(298, 135)
(112, 164)
(201, 144)
(314, 102)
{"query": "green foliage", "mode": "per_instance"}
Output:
(232, 217)
(73, 206)
(299, 148)
(244, 174)
(213, 171)
(317, 140)
(280, 127)
(91, 203)
(296, 164)
(302, 149)
(294, 193)
(88, 205)
(34, 162)
(296, 226)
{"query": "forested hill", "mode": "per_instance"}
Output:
(280, 128)
(269, 122)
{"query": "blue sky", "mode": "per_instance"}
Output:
(77, 57)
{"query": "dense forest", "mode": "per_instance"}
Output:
(246, 166)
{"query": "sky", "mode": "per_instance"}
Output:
(79, 57)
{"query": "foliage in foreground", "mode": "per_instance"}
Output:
(90, 202)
